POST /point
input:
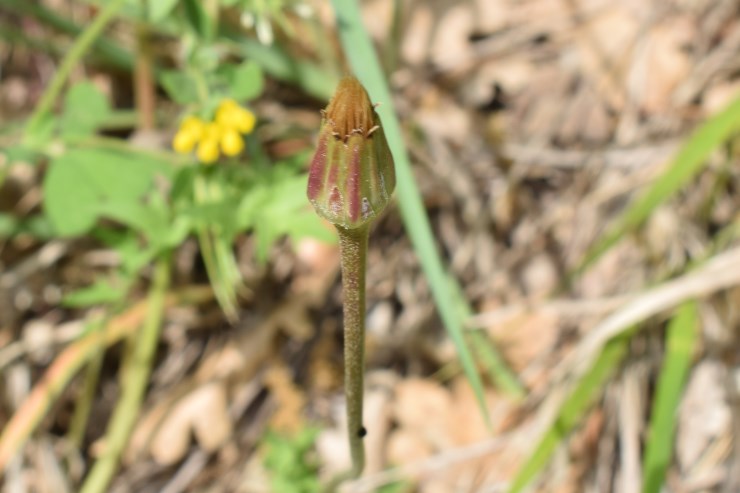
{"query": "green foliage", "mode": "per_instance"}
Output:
(682, 337)
(181, 87)
(291, 462)
(244, 82)
(83, 185)
(101, 292)
(97, 186)
(276, 208)
(35, 226)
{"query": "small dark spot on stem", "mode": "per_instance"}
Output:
(362, 432)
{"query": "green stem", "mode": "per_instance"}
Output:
(75, 53)
(134, 379)
(221, 268)
(85, 401)
(353, 251)
(120, 145)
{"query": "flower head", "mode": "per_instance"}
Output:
(223, 135)
(351, 176)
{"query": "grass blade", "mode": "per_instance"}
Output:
(78, 49)
(364, 61)
(105, 49)
(690, 160)
(579, 401)
(681, 339)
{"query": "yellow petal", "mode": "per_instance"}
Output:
(193, 126)
(231, 143)
(228, 103)
(208, 151)
(245, 120)
(212, 131)
(225, 112)
(183, 142)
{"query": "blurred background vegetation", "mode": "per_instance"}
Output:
(551, 297)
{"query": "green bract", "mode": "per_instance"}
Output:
(351, 177)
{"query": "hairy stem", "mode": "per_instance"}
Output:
(353, 249)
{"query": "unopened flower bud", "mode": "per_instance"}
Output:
(351, 177)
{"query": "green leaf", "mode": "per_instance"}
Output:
(36, 226)
(306, 224)
(180, 87)
(137, 216)
(128, 246)
(199, 19)
(152, 219)
(22, 153)
(690, 160)
(159, 9)
(574, 407)
(83, 183)
(100, 292)
(85, 109)
(681, 339)
(39, 132)
(277, 209)
(246, 81)
(9, 225)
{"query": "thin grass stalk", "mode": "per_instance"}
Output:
(134, 380)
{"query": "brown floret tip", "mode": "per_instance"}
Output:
(350, 110)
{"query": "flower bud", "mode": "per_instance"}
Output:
(351, 176)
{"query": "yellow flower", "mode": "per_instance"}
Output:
(223, 135)
(231, 142)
